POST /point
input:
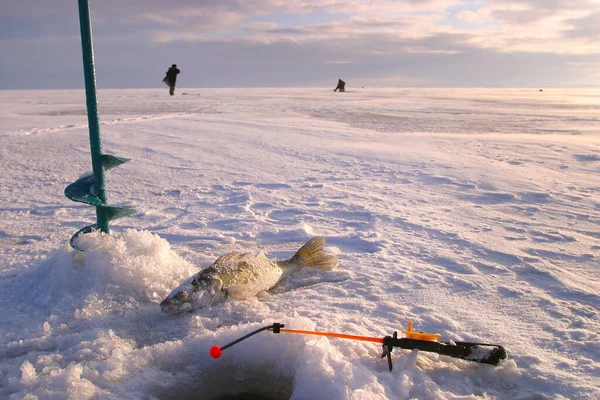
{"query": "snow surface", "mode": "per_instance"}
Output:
(473, 213)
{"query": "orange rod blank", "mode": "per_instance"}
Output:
(336, 335)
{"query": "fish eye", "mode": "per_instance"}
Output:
(181, 297)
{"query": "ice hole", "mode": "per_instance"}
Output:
(230, 382)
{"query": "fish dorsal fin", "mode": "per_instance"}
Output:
(261, 254)
(246, 258)
(227, 258)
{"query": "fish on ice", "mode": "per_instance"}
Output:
(242, 276)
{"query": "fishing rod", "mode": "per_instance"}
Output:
(483, 353)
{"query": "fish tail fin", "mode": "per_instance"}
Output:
(311, 255)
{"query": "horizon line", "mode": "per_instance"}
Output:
(315, 87)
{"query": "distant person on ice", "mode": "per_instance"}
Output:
(171, 78)
(341, 86)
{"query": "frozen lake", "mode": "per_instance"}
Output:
(474, 213)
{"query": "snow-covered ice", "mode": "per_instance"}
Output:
(474, 213)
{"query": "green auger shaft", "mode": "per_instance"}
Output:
(91, 100)
(91, 189)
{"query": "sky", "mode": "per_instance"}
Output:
(303, 43)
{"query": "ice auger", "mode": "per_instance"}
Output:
(85, 190)
(484, 353)
(90, 189)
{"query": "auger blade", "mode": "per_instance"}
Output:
(82, 231)
(118, 212)
(83, 191)
(112, 214)
(110, 162)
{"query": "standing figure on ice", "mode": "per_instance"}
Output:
(171, 78)
(341, 86)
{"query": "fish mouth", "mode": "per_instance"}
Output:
(171, 308)
(187, 298)
(183, 301)
(177, 304)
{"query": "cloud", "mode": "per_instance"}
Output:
(121, 8)
(358, 37)
(548, 26)
(586, 28)
(395, 81)
(471, 16)
(589, 68)
(350, 26)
